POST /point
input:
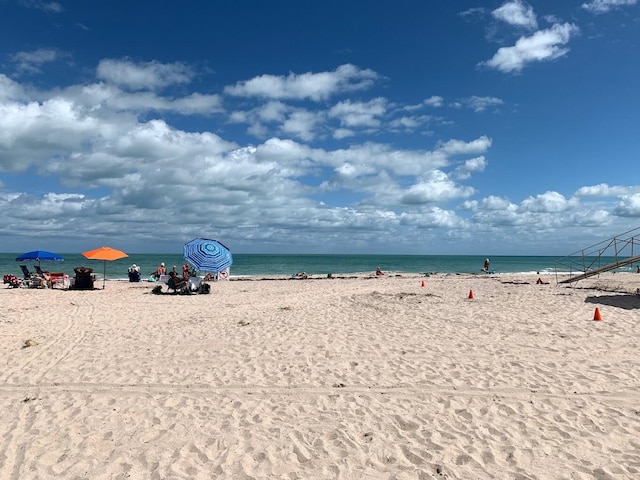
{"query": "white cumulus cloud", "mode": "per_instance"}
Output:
(517, 13)
(313, 86)
(603, 6)
(143, 76)
(628, 206)
(543, 45)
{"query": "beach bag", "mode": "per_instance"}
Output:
(157, 290)
(224, 274)
(204, 288)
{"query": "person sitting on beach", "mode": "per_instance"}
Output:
(175, 282)
(134, 273)
(379, 272)
(84, 278)
(185, 271)
(300, 275)
(44, 279)
(161, 270)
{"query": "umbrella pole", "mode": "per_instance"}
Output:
(104, 274)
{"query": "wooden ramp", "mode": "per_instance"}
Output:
(606, 268)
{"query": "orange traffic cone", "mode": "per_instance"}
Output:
(422, 285)
(470, 293)
(596, 315)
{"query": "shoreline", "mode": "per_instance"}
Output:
(318, 265)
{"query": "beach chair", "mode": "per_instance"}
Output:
(37, 282)
(25, 272)
(194, 284)
(59, 279)
(134, 276)
(39, 270)
(12, 280)
(84, 278)
(178, 285)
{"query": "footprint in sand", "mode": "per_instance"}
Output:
(405, 425)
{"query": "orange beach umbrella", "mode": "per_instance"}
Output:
(105, 254)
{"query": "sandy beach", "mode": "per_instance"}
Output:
(345, 378)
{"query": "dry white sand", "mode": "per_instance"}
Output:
(351, 378)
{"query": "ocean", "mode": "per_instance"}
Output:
(258, 265)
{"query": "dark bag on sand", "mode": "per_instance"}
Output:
(204, 288)
(157, 290)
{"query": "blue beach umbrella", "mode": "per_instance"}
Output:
(39, 255)
(207, 255)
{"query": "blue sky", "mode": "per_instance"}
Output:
(412, 126)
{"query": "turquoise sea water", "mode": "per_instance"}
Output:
(254, 265)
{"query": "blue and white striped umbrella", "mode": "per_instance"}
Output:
(207, 255)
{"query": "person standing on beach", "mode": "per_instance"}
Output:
(486, 265)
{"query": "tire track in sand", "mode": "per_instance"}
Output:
(13, 450)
